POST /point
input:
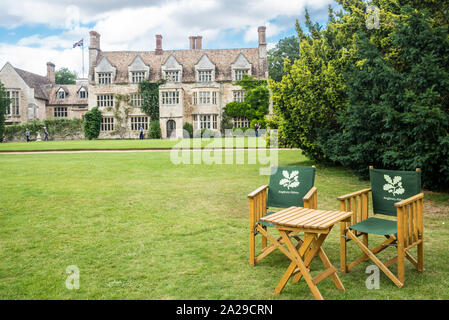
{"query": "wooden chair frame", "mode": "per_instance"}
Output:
(410, 233)
(257, 210)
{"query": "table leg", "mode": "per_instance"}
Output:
(311, 254)
(308, 239)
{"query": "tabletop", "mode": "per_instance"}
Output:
(299, 217)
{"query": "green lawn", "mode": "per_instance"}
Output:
(124, 144)
(139, 227)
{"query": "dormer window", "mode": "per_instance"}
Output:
(239, 74)
(82, 93)
(104, 77)
(205, 70)
(172, 76)
(60, 94)
(205, 76)
(137, 76)
(239, 67)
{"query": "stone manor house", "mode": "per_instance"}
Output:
(199, 84)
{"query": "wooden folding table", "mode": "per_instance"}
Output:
(316, 225)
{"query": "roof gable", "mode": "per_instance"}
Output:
(241, 62)
(204, 63)
(138, 64)
(171, 63)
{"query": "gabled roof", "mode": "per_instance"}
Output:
(171, 63)
(35, 81)
(241, 62)
(71, 97)
(221, 58)
(204, 63)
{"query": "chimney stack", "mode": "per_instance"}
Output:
(94, 49)
(262, 42)
(158, 45)
(196, 42)
(50, 72)
(199, 43)
(94, 40)
(192, 42)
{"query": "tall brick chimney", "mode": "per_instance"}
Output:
(263, 49)
(51, 72)
(192, 40)
(199, 42)
(158, 51)
(94, 49)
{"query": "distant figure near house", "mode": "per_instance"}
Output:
(28, 135)
(141, 133)
(46, 134)
(256, 128)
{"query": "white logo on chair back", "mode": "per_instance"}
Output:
(394, 185)
(290, 180)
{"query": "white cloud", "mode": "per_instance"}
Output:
(132, 25)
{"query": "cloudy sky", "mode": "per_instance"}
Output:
(33, 32)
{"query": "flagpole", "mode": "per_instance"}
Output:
(82, 48)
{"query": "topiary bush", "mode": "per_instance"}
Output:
(189, 128)
(155, 130)
(92, 123)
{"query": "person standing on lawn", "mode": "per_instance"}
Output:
(141, 133)
(45, 134)
(27, 133)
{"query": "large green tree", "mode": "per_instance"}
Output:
(398, 111)
(65, 76)
(285, 48)
(312, 90)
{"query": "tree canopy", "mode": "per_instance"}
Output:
(361, 94)
(65, 76)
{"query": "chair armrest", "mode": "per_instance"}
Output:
(354, 194)
(409, 200)
(257, 206)
(257, 191)
(349, 203)
(311, 198)
(410, 221)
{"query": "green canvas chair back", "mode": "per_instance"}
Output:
(391, 186)
(288, 185)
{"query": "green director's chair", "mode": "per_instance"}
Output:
(394, 193)
(288, 186)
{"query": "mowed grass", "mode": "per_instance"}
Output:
(236, 142)
(139, 227)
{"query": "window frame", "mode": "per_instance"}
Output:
(105, 102)
(137, 121)
(60, 112)
(170, 98)
(104, 77)
(107, 126)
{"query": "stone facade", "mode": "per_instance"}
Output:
(35, 97)
(199, 84)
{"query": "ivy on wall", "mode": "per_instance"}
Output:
(256, 103)
(150, 97)
(121, 114)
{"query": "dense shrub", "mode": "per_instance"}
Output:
(92, 123)
(58, 129)
(155, 130)
(189, 128)
(398, 115)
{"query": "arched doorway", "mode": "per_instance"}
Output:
(171, 129)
